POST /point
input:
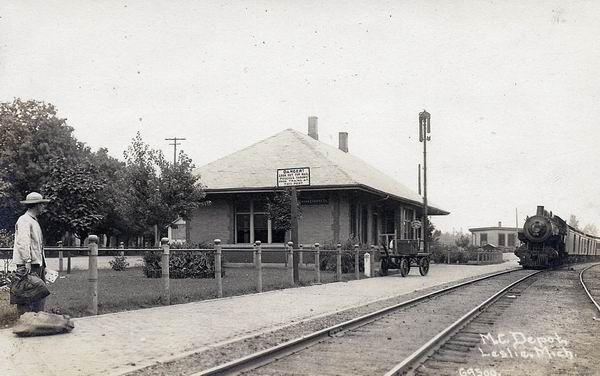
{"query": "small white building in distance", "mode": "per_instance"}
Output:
(504, 238)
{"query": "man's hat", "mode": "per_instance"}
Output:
(34, 198)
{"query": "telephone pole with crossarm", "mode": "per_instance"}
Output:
(175, 143)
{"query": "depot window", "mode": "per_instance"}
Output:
(252, 223)
(483, 240)
(409, 231)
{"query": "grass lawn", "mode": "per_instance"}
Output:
(130, 289)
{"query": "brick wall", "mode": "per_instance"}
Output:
(315, 224)
(344, 218)
(326, 223)
(212, 222)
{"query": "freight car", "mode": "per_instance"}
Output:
(548, 241)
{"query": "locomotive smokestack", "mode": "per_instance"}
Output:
(540, 210)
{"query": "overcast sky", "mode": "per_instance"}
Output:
(513, 87)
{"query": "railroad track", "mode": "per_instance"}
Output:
(454, 352)
(373, 343)
(591, 283)
(450, 350)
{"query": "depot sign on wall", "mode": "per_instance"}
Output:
(292, 177)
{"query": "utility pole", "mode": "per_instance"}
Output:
(294, 219)
(175, 139)
(424, 130)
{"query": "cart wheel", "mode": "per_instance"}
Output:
(424, 266)
(385, 265)
(404, 267)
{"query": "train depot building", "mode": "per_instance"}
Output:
(341, 196)
(502, 238)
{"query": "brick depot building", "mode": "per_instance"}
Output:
(347, 198)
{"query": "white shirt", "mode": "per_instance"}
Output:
(29, 240)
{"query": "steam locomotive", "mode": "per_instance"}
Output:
(548, 241)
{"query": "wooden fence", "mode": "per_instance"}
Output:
(257, 252)
(482, 257)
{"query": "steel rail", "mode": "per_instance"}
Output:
(408, 363)
(271, 354)
(587, 291)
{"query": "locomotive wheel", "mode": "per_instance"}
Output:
(404, 267)
(424, 266)
(384, 266)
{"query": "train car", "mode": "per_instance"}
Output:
(548, 241)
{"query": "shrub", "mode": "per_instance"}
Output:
(119, 263)
(6, 278)
(187, 264)
(439, 253)
(6, 238)
(328, 260)
(458, 257)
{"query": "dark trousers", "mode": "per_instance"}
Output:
(36, 306)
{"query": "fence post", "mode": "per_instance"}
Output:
(258, 253)
(93, 275)
(289, 260)
(372, 262)
(60, 256)
(318, 263)
(68, 262)
(218, 272)
(356, 262)
(165, 271)
(338, 263)
(121, 247)
(478, 256)
(300, 255)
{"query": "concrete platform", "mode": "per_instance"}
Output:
(115, 343)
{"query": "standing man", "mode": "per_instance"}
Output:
(28, 250)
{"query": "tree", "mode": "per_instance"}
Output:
(574, 222)
(74, 207)
(591, 229)
(180, 191)
(156, 191)
(432, 234)
(462, 241)
(279, 209)
(112, 171)
(31, 137)
(141, 188)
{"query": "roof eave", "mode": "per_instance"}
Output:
(431, 210)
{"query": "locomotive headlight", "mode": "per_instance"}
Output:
(538, 229)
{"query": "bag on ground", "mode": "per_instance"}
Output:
(27, 288)
(42, 324)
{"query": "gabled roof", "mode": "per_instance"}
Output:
(255, 169)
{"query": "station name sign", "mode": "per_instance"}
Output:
(292, 177)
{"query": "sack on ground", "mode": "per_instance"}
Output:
(42, 324)
(28, 288)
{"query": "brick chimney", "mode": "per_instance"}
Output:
(313, 127)
(344, 141)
